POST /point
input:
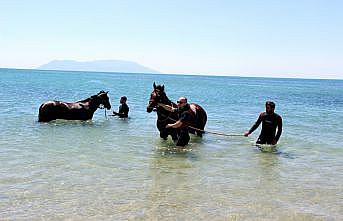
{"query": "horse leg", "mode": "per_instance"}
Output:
(200, 126)
(163, 130)
(163, 135)
(199, 133)
(192, 131)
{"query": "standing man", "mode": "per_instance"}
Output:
(270, 121)
(186, 118)
(123, 108)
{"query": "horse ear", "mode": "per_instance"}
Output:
(154, 85)
(162, 87)
(107, 92)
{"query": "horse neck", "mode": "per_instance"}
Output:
(92, 103)
(166, 101)
(164, 114)
(163, 100)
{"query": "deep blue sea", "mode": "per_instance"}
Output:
(114, 169)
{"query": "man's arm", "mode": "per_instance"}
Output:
(166, 107)
(255, 126)
(123, 111)
(279, 129)
(177, 124)
(120, 114)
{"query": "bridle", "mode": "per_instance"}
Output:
(155, 101)
(102, 100)
(152, 100)
(101, 105)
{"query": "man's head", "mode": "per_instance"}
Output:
(123, 99)
(270, 107)
(182, 101)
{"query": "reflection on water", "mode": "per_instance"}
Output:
(169, 147)
(175, 181)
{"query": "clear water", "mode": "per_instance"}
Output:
(114, 169)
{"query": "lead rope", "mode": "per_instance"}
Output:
(217, 133)
(206, 131)
(101, 106)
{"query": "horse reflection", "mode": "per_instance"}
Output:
(80, 110)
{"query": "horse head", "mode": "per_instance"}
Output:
(103, 99)
(157, 96)
(164, 117)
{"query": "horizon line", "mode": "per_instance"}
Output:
(182, 74)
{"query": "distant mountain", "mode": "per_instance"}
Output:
(98, 65)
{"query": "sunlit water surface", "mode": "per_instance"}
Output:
(114, 169)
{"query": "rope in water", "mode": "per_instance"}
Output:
(217, 133)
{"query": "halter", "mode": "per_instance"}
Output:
(102, 100)
(166, 117)
(101, 105)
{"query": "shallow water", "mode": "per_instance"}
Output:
(115, 169)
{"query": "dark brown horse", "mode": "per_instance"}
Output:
(80, 110)
(165, 117)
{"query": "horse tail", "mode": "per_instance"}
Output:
(204, 119)
(200, 119)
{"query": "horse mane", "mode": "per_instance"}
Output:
(167, 99)
(91, 97)
(85, 100)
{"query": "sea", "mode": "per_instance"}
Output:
(119, 169)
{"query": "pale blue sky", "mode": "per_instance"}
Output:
(288, 38)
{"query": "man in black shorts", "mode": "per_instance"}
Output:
(270, 121)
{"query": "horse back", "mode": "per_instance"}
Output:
(52, 110)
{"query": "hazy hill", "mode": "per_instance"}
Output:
(98, 65)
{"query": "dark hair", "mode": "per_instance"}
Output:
(271, 104)
(124, 98)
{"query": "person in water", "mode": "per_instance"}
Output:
(270, 121)
(123, 108)
(186, 118)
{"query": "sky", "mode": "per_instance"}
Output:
(274, 38)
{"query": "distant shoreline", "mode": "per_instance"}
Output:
(173, 74)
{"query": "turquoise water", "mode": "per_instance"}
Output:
(114, 169)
